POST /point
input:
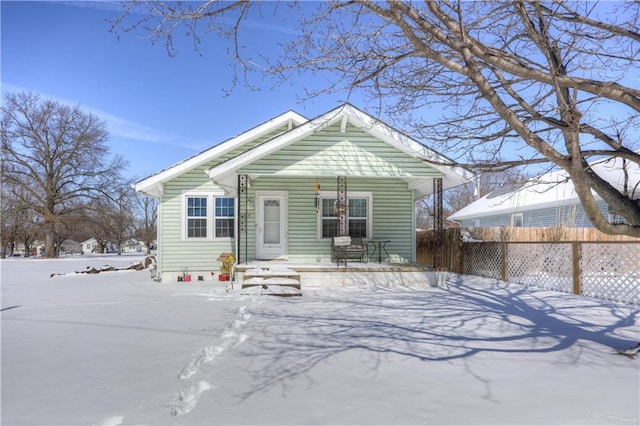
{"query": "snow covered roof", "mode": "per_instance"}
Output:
(548, 190)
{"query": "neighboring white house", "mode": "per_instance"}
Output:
(135, 246)
(547, 200)
(91, 246)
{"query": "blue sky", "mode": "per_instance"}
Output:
(159, 109)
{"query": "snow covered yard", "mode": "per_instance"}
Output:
(117, 348)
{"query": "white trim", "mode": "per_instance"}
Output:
(284, 222)
(185, 218)
(152, 185)
(210, 217)
(515, 217)
(452, 176)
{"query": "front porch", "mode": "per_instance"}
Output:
(310, 275)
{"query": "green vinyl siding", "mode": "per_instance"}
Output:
(331, 152)
(391, 215)
(246, 146)
(192, 254)
(371, 166)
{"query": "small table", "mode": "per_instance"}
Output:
(378, 246)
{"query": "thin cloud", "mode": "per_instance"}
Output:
(120, 127)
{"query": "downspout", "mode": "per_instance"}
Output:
(158, 277)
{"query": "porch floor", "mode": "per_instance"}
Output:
(329, 274)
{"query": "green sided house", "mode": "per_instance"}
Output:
(281, 190)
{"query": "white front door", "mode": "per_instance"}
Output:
(271, 232)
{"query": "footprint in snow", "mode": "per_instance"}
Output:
(205, 355)
(187, 398)
(111, 421)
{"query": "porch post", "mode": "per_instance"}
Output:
(438, 229)
(243, 200)
(341, 206)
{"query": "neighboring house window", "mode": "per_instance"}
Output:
(616, 219)
(208, 217)
(517, 220)
(225, 217)
(358, 216)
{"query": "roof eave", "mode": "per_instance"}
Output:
(149, 185)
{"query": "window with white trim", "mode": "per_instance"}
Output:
(517, 220)
(358, 215)
(617, 219)
(225, 217)
(197, 217)
(207, 216)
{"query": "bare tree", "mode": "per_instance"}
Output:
(496, 84)
(120, 211)
(112, 217)
(9, 227)
(57, 155)
(146, 221)
(456, 198)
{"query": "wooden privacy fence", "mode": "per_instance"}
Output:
(603, 270)
(547, 234)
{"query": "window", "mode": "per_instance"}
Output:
(517, 220)
(209, 217)
(196, 217)
(358, 216)
(616, 219)
(329, 218)
(225, 217)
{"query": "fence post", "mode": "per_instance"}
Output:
(503, 266)
(576, 249)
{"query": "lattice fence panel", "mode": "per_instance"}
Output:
(541, 265)
(611, 272)
(483, 259)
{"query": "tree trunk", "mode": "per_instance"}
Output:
(49, 239)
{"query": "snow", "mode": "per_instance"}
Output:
(118, 348)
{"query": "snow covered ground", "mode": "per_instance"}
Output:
(118, 348)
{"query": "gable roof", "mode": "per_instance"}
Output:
(348, 114)
(298, 128)
(152, 185)
(549, 190)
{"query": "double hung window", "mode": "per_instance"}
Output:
(358, 216)
(197, 217)
(207, 217)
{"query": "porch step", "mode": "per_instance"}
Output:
(272, 280)
(271, 290)
(282, 281)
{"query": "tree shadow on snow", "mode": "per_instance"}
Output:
(291, 337)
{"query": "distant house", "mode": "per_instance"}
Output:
(282, 189)
(91, 246)
(70, 247)
(546, 201)
(135, 246)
